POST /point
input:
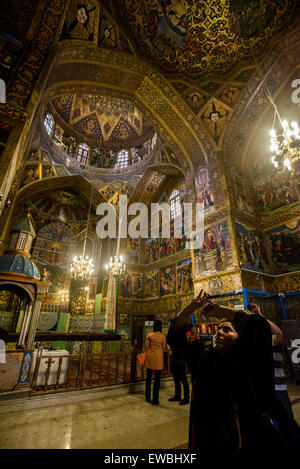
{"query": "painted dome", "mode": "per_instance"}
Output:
(16, 264)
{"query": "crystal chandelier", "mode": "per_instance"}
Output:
(82, 268)
(116, 266)
(285, 146)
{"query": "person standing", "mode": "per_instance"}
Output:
(155, 345)
(281, 393)
(178, 366)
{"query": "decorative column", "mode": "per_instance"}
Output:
(115, 268)
(33, 324)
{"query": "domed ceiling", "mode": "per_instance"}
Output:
(102, 117)
(199, 37)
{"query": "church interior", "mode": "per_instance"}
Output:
(153, 102)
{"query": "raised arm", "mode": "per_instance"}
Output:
(201, 301)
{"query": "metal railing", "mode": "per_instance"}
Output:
(82, 371)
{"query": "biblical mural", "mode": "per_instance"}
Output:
(285, 246)
(167, 280)
(31, 174)
(216, 253)
(63, 205)
(34, 155)
(167, 247)
(151, 283)
(133, 250)
(137, 285)
(204, 190)
(80, 20)
(151, 250)
(184, 276)
(126, 285)
(215, 117)
(272, 190)
(252, 253)
(241, 192)
(192, 37)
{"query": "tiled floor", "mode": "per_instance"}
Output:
(105, 421)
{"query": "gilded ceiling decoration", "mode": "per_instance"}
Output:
(102, 117)
(199, 37)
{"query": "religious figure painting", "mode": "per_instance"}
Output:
(34, 155)
(241, 191)
(216, 252)
(272, 190)
(48, 171)
(251, 249)
(215, 117)
(58, 282)
(184, 276)
(137, 285)
(133, 250)
(167, 280)
(284, 242)
(31, 174)
(80, 21)
(151, 250)
(126, 285)
(151, 283)
(167, 247)
(204, 190)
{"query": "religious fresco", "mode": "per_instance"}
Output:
(230, 95)
(80, 21)
(195, 100)
(167, 247)
(101, 117)
(48, 171)
(133, 250)
(151, 283)
(167, 280)
(31, 174)
(251, 249)
(215, 117)
(273, 190)
(66, 206)
(137, 285)
(125, 285)
(216, 252)
(250, 19)
(184, 276)
(107, 34)
(204, 190)
(195, 40)
(284, 242)
(241, 191)
(33, 155)
(151, 250)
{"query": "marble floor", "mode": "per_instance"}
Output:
(117, 420)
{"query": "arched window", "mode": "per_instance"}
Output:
(175, 203)
(122, 161)
(83, 153)
(49, 123)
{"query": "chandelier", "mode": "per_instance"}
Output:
(116, 266)
(82, 268)
(285, 146)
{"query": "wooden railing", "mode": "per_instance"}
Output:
(82, 371)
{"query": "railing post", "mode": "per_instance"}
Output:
(133, 364)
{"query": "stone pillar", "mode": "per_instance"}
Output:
(33, 324)
(25, 324)
(111, 305)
